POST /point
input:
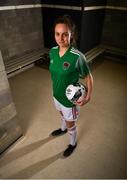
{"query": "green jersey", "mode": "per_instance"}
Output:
(66, 70)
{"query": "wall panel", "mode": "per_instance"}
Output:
(63, 2)
(94, 3)
(18, 2)
(115, 25)
(92, 24)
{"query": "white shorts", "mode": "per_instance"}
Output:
(68, 114)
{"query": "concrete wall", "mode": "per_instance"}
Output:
(10, 130)
(21, 30)
(18, 2)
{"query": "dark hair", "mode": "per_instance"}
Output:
(66, 19)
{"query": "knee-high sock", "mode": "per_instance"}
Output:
(63, 124)
(72, 134)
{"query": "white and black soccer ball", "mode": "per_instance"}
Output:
(75, 91)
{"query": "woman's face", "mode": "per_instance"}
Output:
(62, 35)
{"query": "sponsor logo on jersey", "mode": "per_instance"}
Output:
(66, 65)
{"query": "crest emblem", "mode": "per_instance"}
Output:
(66, 65)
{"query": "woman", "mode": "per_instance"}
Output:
(67, 64)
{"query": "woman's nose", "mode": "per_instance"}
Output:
(61, 37)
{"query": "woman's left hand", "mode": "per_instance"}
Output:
(83, 100)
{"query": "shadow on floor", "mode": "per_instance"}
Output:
(24, 150)
(35, 168)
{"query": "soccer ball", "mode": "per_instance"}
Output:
(75, 91)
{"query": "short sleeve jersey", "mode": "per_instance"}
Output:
(66, 70)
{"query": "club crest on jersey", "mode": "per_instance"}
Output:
(66, 65)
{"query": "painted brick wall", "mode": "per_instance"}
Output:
(21, 31)
(18, 2)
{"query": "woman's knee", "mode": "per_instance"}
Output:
(70, 124)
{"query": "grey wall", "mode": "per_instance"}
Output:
(115, 25)
(18, 2)
(21, 30)
(10, 130)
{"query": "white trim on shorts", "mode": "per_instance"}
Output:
(68, 113)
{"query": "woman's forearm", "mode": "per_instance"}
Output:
(89, 85)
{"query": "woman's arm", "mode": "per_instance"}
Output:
(89, 85)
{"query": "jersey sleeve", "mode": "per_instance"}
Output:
(52, 52)
(82, 66)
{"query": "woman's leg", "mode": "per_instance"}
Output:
(71, 126)
(72, 131)
(63, 129)
(63, 122)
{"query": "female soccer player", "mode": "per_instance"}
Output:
(67, 64)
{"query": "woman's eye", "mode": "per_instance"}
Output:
(66, 34)
(57, 34)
